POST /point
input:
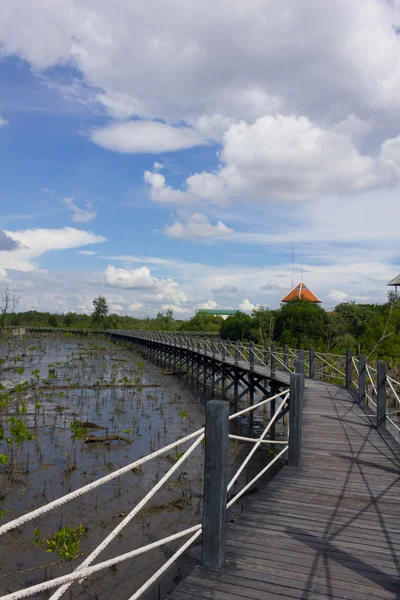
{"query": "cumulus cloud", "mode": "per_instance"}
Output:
(247, 306)
(209, 304)
(134, 137)
(244, 65)
(154, 290)
(287, 158)
(226, 290)
(197, 227)
(35, 242)
(337, 296)
(7, 243)
(3, 121)
(80, 215)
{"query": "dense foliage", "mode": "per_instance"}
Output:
(373, 329)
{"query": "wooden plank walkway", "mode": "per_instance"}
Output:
(330, 529)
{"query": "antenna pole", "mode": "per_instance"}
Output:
(292, 262)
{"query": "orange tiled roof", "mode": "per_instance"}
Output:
(301, 291)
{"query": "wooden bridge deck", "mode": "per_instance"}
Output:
(329, 529)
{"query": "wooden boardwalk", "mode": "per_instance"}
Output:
(329, 529)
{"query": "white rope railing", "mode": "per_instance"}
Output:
(258, 442)
(86, 568)
(84, 573)
(318, 355)
(38, 512)
(392, 381)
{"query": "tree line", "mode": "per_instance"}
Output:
(373, 329)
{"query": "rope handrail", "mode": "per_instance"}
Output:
(389, 380)
(258, 443)
(318, 355)
(94, 484)
(75, 575)
(369, 369)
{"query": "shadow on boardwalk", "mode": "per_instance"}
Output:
(330, 529)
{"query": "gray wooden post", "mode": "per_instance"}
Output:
(301, 355)
(213, 348)
(312, 364)
(381, 375)
(237, 353)
(361, 377)
(215, 484)
(273, 361)
(251, 355)
(299, 368)
(295, 418)
(349, 368)
(266, 354)
(286, 356)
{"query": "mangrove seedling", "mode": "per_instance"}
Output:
(78, 432)
(3, 459)
(3, 513)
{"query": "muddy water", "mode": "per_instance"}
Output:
(150, 409)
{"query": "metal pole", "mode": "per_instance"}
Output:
(295, 418)
(381, 375)
(215, 484)
(361, 377)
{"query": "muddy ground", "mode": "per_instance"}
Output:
(56, 385)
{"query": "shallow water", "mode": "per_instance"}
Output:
(54, 463)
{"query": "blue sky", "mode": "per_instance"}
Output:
(170, 157)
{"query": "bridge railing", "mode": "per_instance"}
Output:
(366, 382)
(216, 487)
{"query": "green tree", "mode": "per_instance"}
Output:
(100, 309)
(237, 327)
(301, 324)
(53, 321)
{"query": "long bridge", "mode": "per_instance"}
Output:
(327, 525)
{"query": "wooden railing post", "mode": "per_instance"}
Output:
(215, 484)
(237, 353)
(361, 377)
(251, 355)
(295, 418)
(286, 356)
(349, 368)
(381, 375)
(312, 363)
(266, 353)
(273, 361)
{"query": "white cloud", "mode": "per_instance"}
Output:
(35, 242)
(159, 192)
(238, 64)
(134, 137)
(226, 290)
(291, 159)
(197, 227)
(80, 215)
(247, 306)
(3, 121)
(209, 304)
(154, 290)
(87, 252)
(135, 306)
(337, 296)
(3, 274)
